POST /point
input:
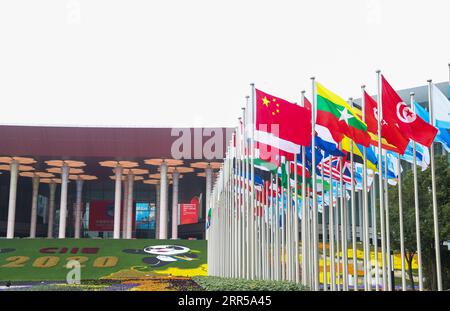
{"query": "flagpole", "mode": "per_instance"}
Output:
(380, 181)
(247, 198)
(375, 234)
(296, 239)
(331, 230)
(286, 223)
(309, 239)
(252, 174)
(367, 266)
(400, 212)
(433, 192)
(388, 232)
(314, 190)
(416, 205)
(304, 211)
(238, 202)
(343, 230)
(269, 230)
(337, 237)
(324, 236)
(353, 208)
(283, 235)
(277, 233)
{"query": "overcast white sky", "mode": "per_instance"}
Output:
(189, 62)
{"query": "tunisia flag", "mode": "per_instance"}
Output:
(390, 132)
(395, 111)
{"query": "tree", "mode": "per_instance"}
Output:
(426, 220)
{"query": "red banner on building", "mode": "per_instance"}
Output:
(188, 213)
(101, 216)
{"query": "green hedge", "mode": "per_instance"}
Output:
(214, 283)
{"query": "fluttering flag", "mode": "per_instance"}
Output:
(335, 168)
(281, 124)
(336, 114)
(325, 141)
(442, 136)
(393, 137)
(346, 145)
(422, 155)
(441, 108)
(267, 157)
(395, 111)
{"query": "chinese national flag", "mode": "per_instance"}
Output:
(390, 132)
(395, 111)
(282, 124)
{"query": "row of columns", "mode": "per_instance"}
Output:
(161, 211)
(14, 174)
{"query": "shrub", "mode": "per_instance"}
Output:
(214, 283)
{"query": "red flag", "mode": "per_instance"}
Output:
(281, 124)
(395, 111)
(307, 104)
(392, 134)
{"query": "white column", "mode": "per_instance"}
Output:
(163, 206)
(51, 209)
(117, 201)
(14, 170)
(63, 204)
(130, 206)
(78, 208)
(125, 207)
(208, 173)
(158, 207)
(33, 220)
(175, 175)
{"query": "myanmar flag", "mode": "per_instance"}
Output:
(281, 124)
(336, 114)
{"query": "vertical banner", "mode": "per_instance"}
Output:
(188, 213)
(101, 215)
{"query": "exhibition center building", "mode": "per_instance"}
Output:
(101, 182)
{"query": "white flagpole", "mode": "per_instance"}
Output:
(267, 236)
(253, 192)
(247, 200)
(324, 236)
(367, 266)
(433, 192)
(353, 208)
(286, 224)
(304, 212)
(416, 207)
(296, 239)
(237, 193)
(388, 230)
(380, 182)
(400, 214)
(283, 225)
(375, 234)
(337, 236)
(343, 203)
(277, 233)
(272, 249)
(314, 190)
(331, 230)
(310, 241)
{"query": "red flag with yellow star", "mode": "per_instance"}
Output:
(281, 124)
